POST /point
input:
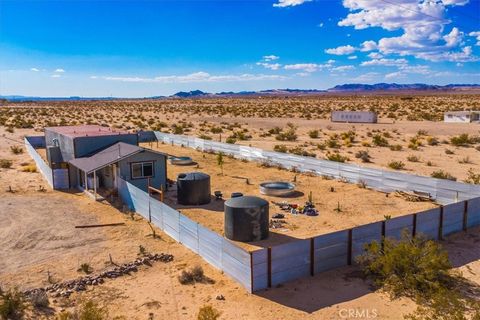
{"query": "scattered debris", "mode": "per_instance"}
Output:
(278, 216)
(220, 297)
(413, 196)
(277, 223)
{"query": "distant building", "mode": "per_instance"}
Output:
(462, 116)
(354, 116)
(94, 157)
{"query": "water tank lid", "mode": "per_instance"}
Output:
(246, 202)
(193, 176)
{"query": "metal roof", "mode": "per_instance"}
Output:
(110, 155)
(86, 131)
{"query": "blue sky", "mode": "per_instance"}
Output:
(145, 48)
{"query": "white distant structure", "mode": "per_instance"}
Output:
(462, 116)
(354, 116)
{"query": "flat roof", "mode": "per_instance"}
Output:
(88, 130)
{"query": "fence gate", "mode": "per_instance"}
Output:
(60, 179)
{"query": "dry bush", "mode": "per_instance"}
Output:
(5, 163)
(208, 313)
(16, 149)
(396, 165)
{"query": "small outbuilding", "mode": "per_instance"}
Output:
(354, 116)
(461, 116)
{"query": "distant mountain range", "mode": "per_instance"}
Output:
(352, 87)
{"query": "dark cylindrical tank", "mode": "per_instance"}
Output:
(193, 188)
(246, 219)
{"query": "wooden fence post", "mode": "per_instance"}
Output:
(465, 215)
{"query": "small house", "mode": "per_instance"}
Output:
(94, 158)
(461, 116)
(354, 116)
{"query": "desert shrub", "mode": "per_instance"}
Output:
(379, 141)
(413, 158)
(289, 134)
(313, 134)
(461, 140)
(366, 144)
(472, 177)
(440, 174)
(192, 276)
(216, 130)
(397, 165)
(415, 143)
(10, 129)
(208, 313)
(29, 168)
(299, 151)
(5, 163)
(406, 267)
(337, 157)
(39, 299)
(231, 140)
(465, 160)
(88, 310)
(419, 269)
(16, 149)
(448, 151)
(363, 155)
(280, 148)
(396, 147)
(12, 305)
(85, 268)
(205, 137)
(332, 143)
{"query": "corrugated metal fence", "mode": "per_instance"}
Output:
(39, 142)
(444, 191)
(215, 249)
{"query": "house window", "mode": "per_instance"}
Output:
(142, 170)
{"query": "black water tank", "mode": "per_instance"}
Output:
(193, 188)
(246, 219)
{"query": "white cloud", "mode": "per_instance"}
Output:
(366, 77)
(271, 66)
(352, 57)
(369, 46)
(55, 76)
(289, 3)
(93, 77)
(197, 77)
(307, 67)
(343, 68)
(271, 57)
(375, 55)
(384, 62)
(342, 50)
(59, 70)
(320, 25)
(421, 23)
(475, 34)
(34, 69)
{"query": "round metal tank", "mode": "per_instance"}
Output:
(181, 161)
(246, 219)
(193, 188)
(277, 188)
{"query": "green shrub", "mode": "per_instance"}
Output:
(440, 174)
(379, 141)
(396, 147)
(461, 140)
(231, 140)
(208, 313)
(472, 177)
(12, 305)
(85, 268)
(91, 311)
(413, 158)
(337, 157)
(192, 276)
(280, 148)
(313, 134)
(397, 165)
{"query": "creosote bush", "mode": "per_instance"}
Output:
(16, 149)
(396, 165)
(5, 163)
(193, 276)
(417, 268)
(208, 313)
(12, 305)
(440, 174)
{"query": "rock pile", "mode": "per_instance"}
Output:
(66, 288)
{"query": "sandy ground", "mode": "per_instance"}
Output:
(357, 205)
(41, 237)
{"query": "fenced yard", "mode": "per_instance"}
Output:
(299, 258)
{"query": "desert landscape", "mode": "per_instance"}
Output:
(41, 246)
